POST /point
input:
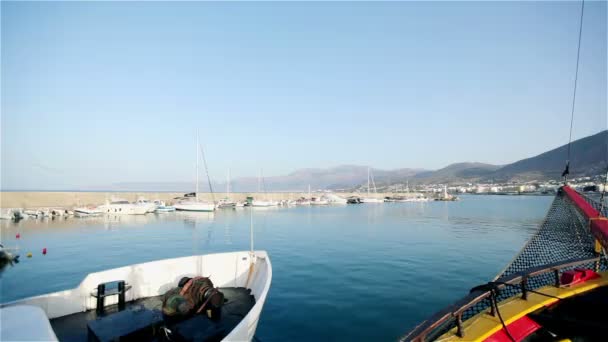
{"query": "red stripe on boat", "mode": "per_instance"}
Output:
(580, 202)
(520, 329)
(599, 224)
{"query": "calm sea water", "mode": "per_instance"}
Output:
(353, 272)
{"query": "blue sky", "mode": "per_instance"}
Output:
(105, 92)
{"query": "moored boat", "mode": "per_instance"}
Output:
(87, 211)
(370, 198)
(131, 302)
(547, 293)
(122, 207)
(263, 203)
(149, 205)
(194, 205)
(162, 207)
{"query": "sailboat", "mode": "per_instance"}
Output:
(227, 202)
(370, 199)
(131, 302)
(263, 203)
(193, 203)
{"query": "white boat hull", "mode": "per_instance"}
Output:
(256, 203)
(123, 209)
(156, 277)
(372, 200)
(194, 206)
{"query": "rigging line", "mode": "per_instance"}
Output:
(207, 172)
(578, 55)
(604, 191)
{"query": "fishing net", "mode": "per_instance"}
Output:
(563, 236)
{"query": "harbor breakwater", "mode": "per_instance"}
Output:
(68, 200)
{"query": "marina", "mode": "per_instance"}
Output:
(314, 251)
(416, 177)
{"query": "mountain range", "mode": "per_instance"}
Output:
(589, 158)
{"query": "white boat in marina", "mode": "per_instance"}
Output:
(161, 207)
(335, 199)
(226, 202)
(192, 203)
(319, 201)
(303, 201)
(28, 213)
(149, 205)
(87, 211)
(76, 314)
(369, 198)
(266, 202)
(122, 207)
(7, 214)
(195, 298)
(262, 203)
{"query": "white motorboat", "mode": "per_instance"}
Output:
(227, 202)
(113, 304)
(262, 203)
(161, 207)
(335, 199)
(87, 211)
(371, 200)
(302, 201)
(149, 205)
(28, 213)
(122, 207)
(319, 201)
(193, 205)
(7, 214)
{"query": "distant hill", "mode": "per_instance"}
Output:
(340, 177)
(589, 157)
(459, 172)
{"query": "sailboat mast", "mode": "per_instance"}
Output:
(368, 181)
(260, 181)
(197, 143)
(228, 183)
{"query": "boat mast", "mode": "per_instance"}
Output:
(228, 183)
(368, 181)
(373, 182)
(260, 181)
(196, 193)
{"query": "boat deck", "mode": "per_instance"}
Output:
(147, 312)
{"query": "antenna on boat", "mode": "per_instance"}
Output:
(196, 189)
(578, 56)
(251, 253)
(251, 232)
